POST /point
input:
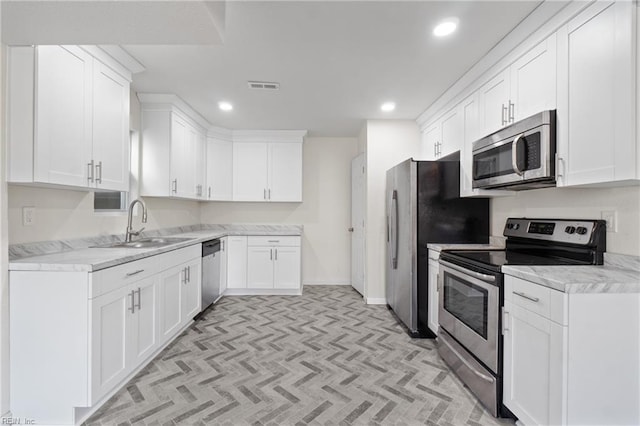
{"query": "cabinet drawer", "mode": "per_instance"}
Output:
(176, 257)
(107, 280)
(544, 301)
(274, 240)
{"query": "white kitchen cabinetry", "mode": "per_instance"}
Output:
(109, 326)
(549, 355)
(68, 118)
(597, 98)
(445, 135)
(433, 294)
(219, 170)
(173, 148)
(267, 171)
(236, 262)
(273, 262)
(525, 88)
(223, 264)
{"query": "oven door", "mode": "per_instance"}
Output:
(468, 310)
(527, 156)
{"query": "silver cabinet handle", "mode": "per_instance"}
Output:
(188, 279)
(222, 245)
(514, 155)
(139, 299)
(273, 241)
(466, 363)
(174, 186)
(526, 296)
(90, 176)
(133, 306)
(504, 115)
(478, 275)
(435, 149)
(505, 321)
(512, 111)
(276, 258)
(209, 192)
(99, 172)
(270, 254)
(130, 274)
(269, 194)
(184, 275)
(558, 161)
(264, 194)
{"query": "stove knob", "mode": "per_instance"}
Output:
(509, 225)
(570, 229)
(581, 230)
(516, 226)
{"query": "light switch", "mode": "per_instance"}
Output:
(28, 216)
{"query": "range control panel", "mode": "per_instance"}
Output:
(579, 231)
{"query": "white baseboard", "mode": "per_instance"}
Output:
(262, 292)
(376, 301)
(335, 282)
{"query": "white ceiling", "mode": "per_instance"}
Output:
(336, 61)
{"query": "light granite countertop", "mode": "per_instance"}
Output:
(44, 257)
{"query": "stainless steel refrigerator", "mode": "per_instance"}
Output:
(424, 206)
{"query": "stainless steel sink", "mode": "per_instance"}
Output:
(153, 242)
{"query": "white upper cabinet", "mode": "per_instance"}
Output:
(597, 97)
(219, 170)
(68, 119)
(267, 171)
(173, 148)
(444, 136)
(525, 88)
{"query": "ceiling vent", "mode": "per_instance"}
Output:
(263, 85)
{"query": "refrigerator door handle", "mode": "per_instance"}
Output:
(394, 232)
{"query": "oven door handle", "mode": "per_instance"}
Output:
(467, 364)
(514, 155)
(478, 275)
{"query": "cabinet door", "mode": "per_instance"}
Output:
(250, 171)
(62, 150)
(223, 264)
(237, 262)
(191, 291)
(180, 141)
(144, 337)
(111, 315)
(533, 367)
(260, 267)
(198, 160)
(431, 141)
(110, 128)
(533, 81)
(219, 170)
(170, 288)
(432, 309)
(286, 267)
(493, 104)
(596, 96)
(451, 131)
(285, 172)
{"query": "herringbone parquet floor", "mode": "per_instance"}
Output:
(323, 358)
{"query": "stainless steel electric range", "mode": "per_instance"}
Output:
(471, 294)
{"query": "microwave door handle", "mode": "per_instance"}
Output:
(514, 155)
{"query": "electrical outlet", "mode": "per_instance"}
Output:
(611, 216)
(28, 216)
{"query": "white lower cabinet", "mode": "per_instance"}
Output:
(236, 262)
(286, 267)
(432, 291)
(112, 322)
(570, 358)
(224, 244)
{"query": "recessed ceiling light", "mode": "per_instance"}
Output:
(225, 106)
(388, 106)
(446, 27)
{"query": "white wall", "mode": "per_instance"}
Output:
(325, 211)
(388, 142)
(577, 203)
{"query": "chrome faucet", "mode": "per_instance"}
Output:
(130, 231)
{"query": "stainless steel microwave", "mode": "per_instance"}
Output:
(519, 156)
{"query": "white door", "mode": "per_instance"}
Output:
(110, 128)
(432, 309)
(63, 116)
(285, 172)
(286, 267)
(357, 222)
(260, 267)
(110, 318)
(144, 328)
(170, 287)
(219, 170)
(493, 104)
(250, 171)
(191, 291)
(236, 262)
(533, 80)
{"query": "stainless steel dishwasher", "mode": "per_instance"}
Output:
(210, 273)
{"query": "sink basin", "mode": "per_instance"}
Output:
(153, 242)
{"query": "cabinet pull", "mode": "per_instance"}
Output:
(276, 254)
(183, 276)
(526, 296)
(99, 172)
(505, 321)
(209, 192)
(270, 254)
(139, 299)
(222, 245)
(90, 171)
(130, 274)
(273, 241)
(189, 274)
(435, 149)
(504, 115)
(264, 194)
(269, 194)
(133, 306)
(558, 161)
(174, 186)
(512, 112)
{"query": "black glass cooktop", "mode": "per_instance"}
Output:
(495, 259)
